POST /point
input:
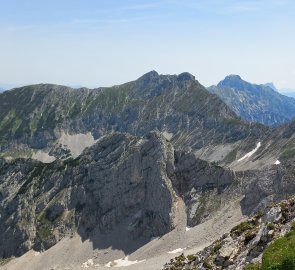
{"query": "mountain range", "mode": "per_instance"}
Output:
(147, 169)
(36, 117)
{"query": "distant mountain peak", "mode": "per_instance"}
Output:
(153, 76)
(232, 81)
(185, 76)
(233, 77)
(272, 86)
(149, 75)
(260, 103)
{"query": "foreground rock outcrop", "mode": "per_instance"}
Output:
(247, 245)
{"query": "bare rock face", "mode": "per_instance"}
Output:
(200, 183)
(274, 215)
(121, 177)
(263, 187)
(227, 252)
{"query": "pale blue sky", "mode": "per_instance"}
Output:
(105, 42)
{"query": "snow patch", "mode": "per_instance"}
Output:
(178, 250)
(122, 262)
(87, 264)
(251, 152)
(277, 162)
(154, 238)
(167, 135)
(140, 142)
(187, 229)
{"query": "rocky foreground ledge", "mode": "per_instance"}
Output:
(263, 242)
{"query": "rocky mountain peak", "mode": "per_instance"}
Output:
(232, 81)
(260, 103)
(149, 76)
(185, 76)
(153, 75)
(233, 77)
(272, 86)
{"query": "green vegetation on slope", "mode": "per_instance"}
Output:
(288, 151)
(253, 266)
(242, 227)
(280, 255)
(4, 261)
(11, 122)
(231, 157)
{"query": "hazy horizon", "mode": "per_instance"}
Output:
(11, 86)
(102, 43)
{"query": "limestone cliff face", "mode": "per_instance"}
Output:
(263, 187)
(202, 186)
(121, 177)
